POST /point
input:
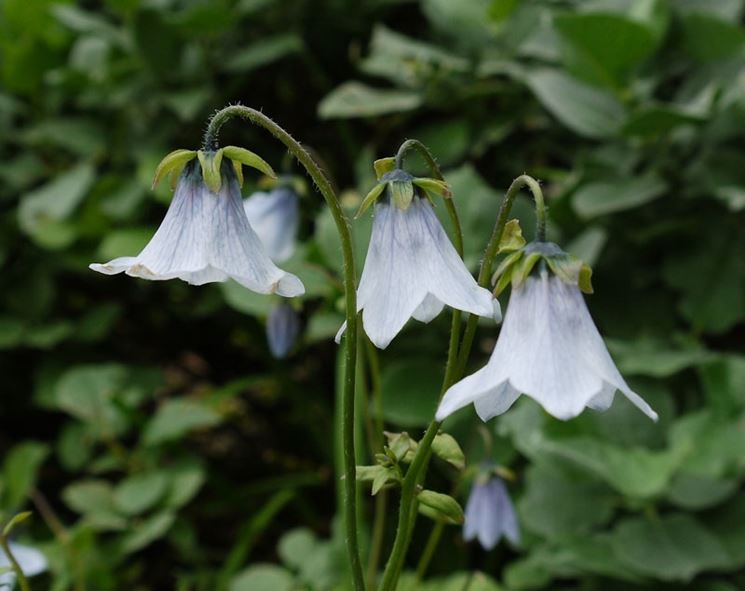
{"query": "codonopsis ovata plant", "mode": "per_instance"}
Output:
(412, 270)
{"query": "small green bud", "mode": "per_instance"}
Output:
(445, 447)
(401, 444)
(378, 475)
(443, 507)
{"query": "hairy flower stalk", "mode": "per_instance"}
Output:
(205, 237)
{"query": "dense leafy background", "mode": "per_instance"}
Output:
(150, 418)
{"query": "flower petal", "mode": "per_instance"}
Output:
(391, 286)
(429, 309)
(275, 217)
(446, 275)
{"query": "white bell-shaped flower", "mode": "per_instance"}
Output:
(548, 349)
(275, 217)
(490, 514)
(206, 237)
(412, 270)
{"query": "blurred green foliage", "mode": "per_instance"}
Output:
(159, 445)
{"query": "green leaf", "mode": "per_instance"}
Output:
(295, 546)
(184, 482)
(20, 472)
(710, 39)
(140, 492)
(263, 577)
(176, 418)
(411, 391)
(43, 213)
(603, 48)
(146, 532)
(89, 496)
(602, 198)
(354, 99)
(125, 242)
(558, 502)
(88, 392)
(264, 52)
(588, 111)
(670, 548)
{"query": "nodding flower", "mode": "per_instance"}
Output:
(205, 236)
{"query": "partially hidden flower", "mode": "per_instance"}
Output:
(490, 515)
(548, 348)
(275, 217)
(205, 236)
(412, 270)
(282, 329)
(31, 561)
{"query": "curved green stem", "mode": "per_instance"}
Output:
(350, 279)
(22, 580)
(493, 247)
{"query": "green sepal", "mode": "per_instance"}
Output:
(370, 198)
(512, 237)
(249, 158)
(445, 447)
(402, 193)
(434, 187)
(584, 281)
(503, 275)
(172, 165)
(238, 168)
(17, 519)
(521, 270)
(383, 166)
(572, 270)
(211, 163)
(441, 507)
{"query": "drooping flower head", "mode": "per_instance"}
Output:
(412, 268)
(205, 236)
(282, 329)
(31, 561)
(548, 348)
(489, 514)
(275, 217)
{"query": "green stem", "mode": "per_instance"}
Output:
(429, 550)
(493, 247)
(22, 581)
(350, 294)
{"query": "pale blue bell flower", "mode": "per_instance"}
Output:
(31, 561)
(548, 349)
(490, 514)
(412, 270)
(206, 237)
(275, 217)
(282, 329)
